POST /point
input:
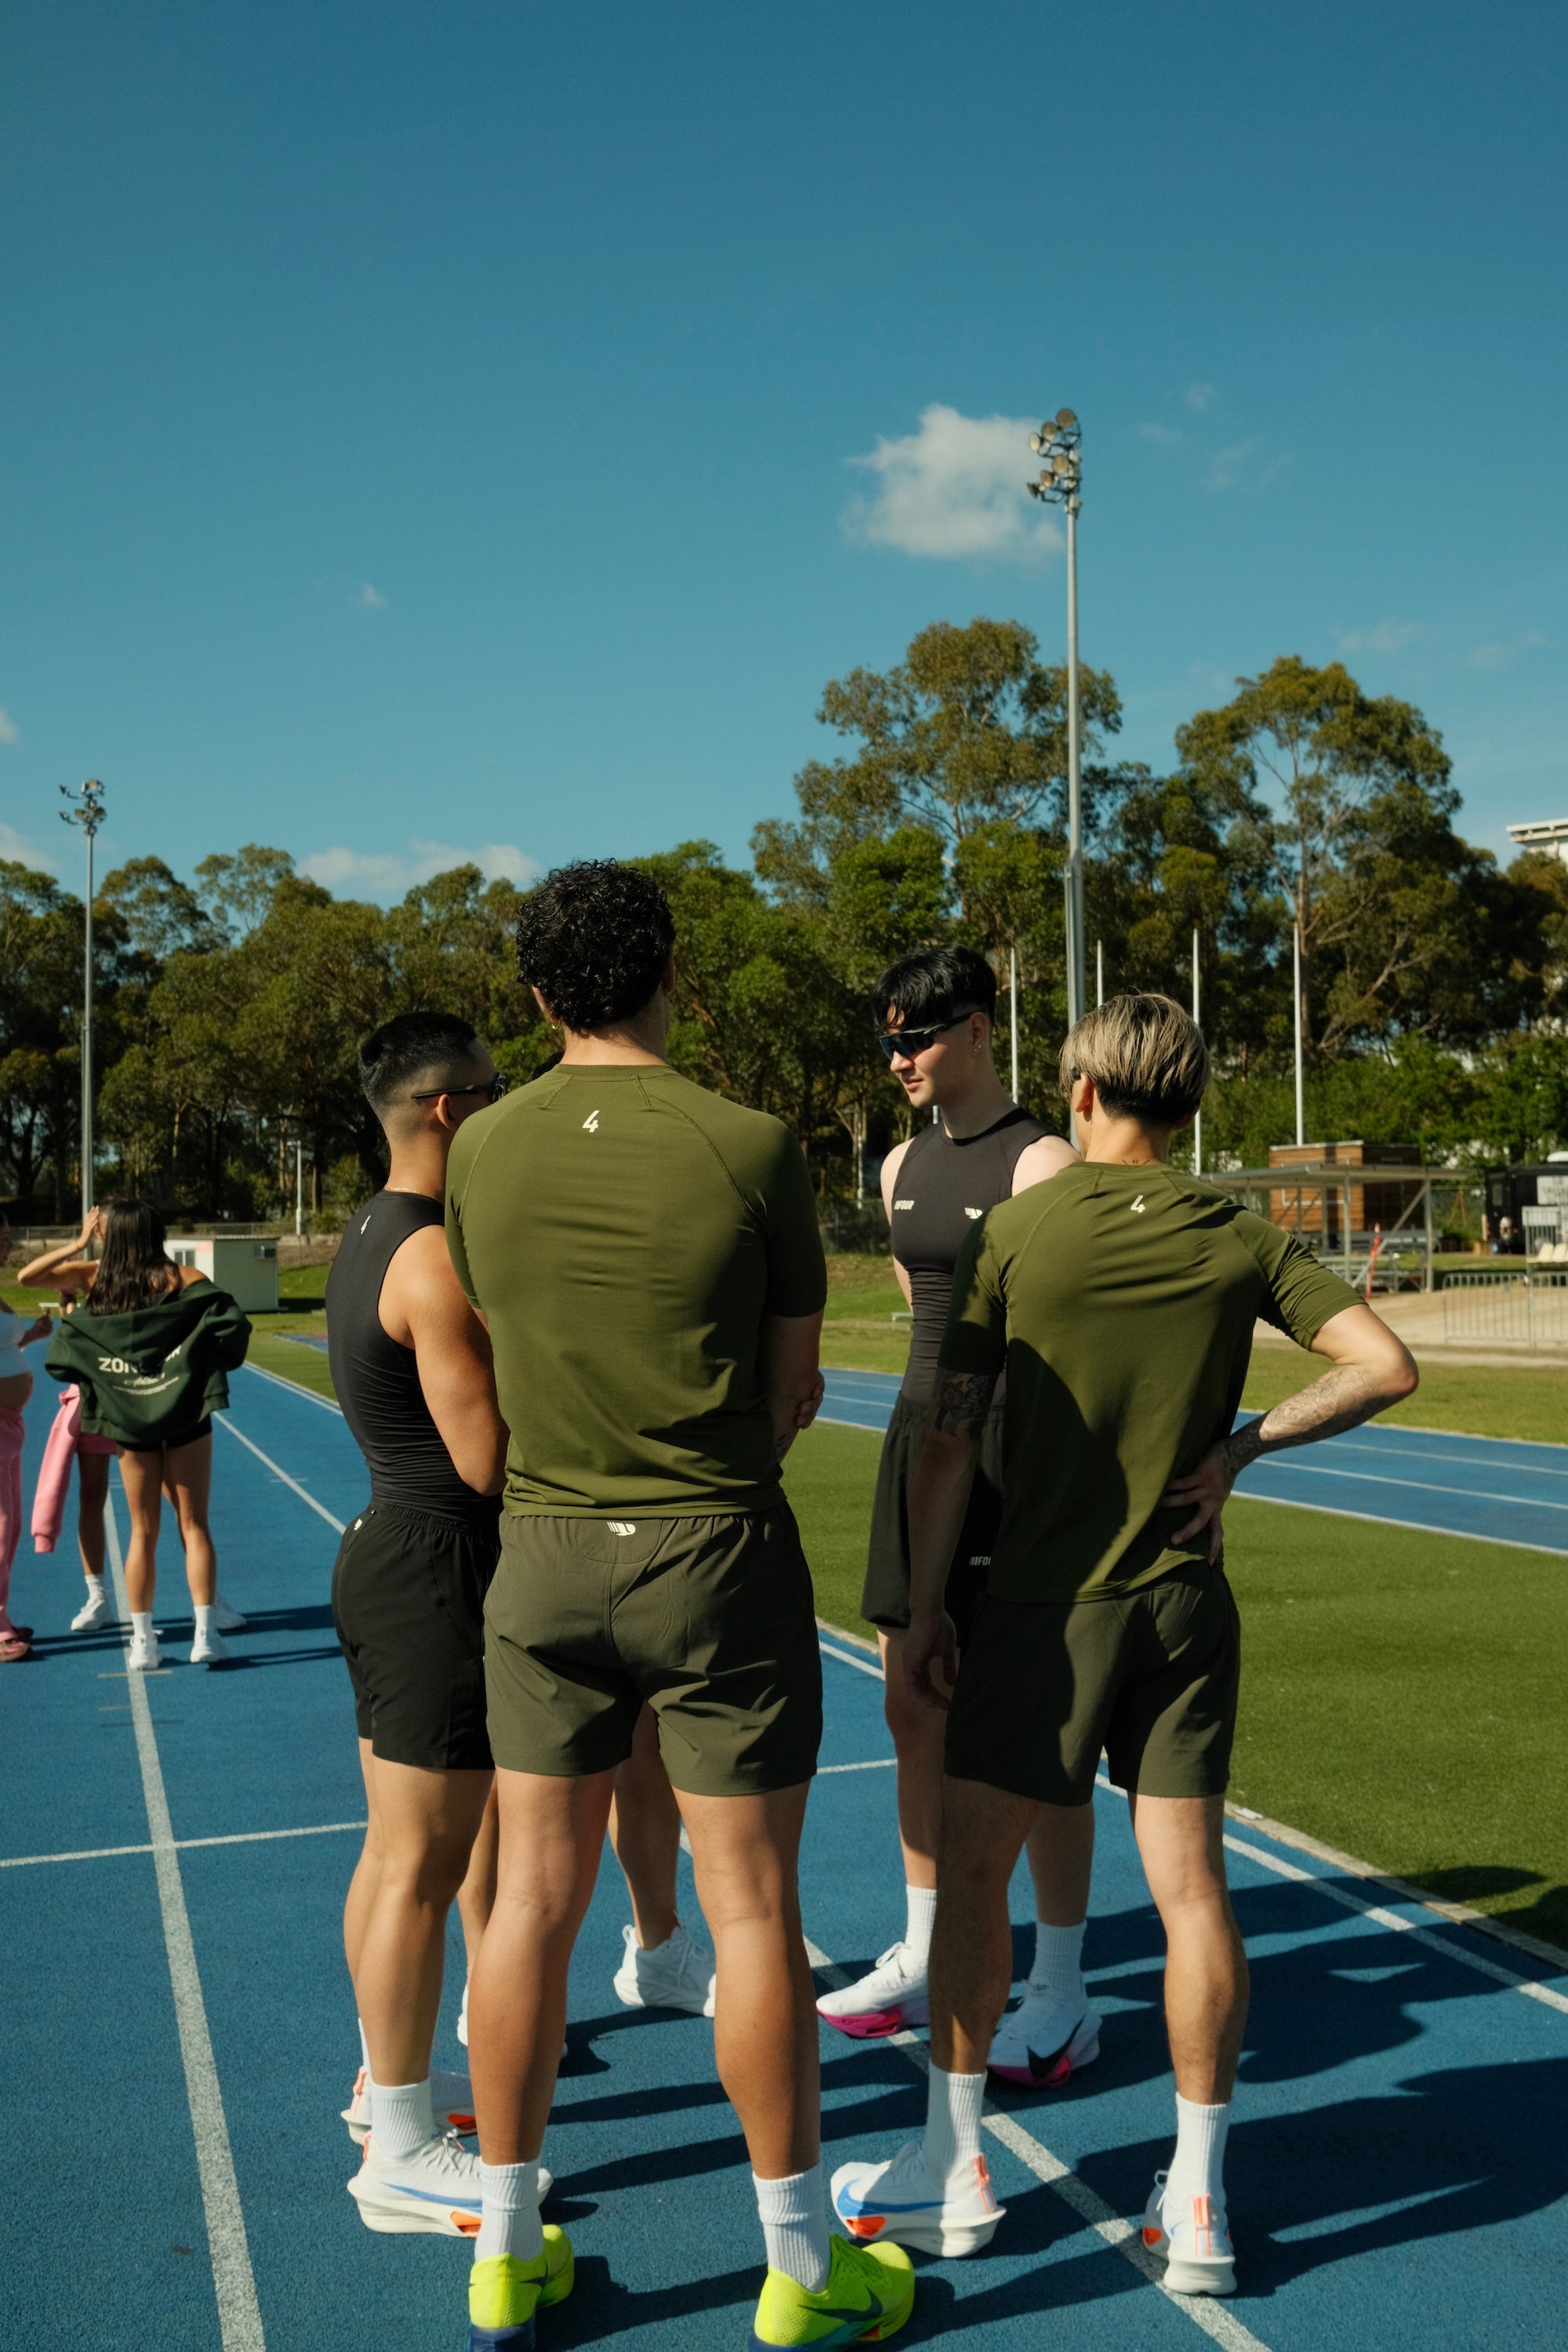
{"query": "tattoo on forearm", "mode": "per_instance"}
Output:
(1342, 1399)
(962, 1402)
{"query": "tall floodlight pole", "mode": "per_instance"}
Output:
(298, 1188)
(1099, 973)
(1012, 1012)
(88, 812)
(1296, 976)
(1198, 1116)
(1057, 442)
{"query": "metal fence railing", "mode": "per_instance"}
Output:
(1529, 1309)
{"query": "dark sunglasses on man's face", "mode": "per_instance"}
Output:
(904, 1044)
(492, 1091)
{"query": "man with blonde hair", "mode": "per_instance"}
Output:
(1120, 1299)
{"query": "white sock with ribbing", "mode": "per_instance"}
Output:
(1197, 2168)
(1059, 1963)
(793, 2215)
(401, 2118)
(920, 1917)
(952, 2120)
(510, 2222)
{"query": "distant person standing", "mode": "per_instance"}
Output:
(69, 1446)
(972, 1147)
(150, 1348)
(16, 1388)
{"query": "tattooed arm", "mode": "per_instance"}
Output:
(939, 1481)
(1371, 1370)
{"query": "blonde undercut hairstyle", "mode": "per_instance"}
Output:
(1146, 1056)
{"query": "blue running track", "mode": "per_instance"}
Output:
(1497, 1488)
(180, 2038)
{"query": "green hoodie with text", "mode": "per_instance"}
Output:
(150, 1376)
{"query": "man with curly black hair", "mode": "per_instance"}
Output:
(647, 1259)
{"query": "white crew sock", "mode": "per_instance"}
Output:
(363, 2048)
(401, 2119)
(95, 1588)
(793, 2215)
(1059, 1963)
(204, 1610)
(142, 1624)
(1197, 2168)
(952, 2121)
(920, 1918)
(511, 2222)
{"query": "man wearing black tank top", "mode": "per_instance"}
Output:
(936, 1012)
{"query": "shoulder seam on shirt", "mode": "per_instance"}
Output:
(699, 1131)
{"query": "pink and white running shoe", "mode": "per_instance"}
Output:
(893, 1996)
(1039, 2045)
(1195, 2244)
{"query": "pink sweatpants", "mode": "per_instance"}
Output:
(11, 1427)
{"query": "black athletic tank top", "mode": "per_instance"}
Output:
(944, 1184)
(377, 1382)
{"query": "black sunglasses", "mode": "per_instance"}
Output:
(906, 1043)
(492, 1091)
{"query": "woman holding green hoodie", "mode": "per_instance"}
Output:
(150, 1348)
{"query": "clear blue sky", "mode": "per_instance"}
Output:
(437, 424)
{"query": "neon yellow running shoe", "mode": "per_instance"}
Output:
(869, 2293)
(504, 2294)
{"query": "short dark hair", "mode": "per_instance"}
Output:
(594, 938)
(933, 986)
(406, 1048)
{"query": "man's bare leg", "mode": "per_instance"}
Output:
(983, 1833)
(645, 1830)
(1181, 1841)
(477, 1895)
(424, 1823)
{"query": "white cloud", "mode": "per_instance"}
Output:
(1489, 656)
(954, 489)
(1164, 435)
(9, 730)
(383, 874)
(1199, 395)
(370, 598)
(1387, 638)
(22, 851)
(1228, 465)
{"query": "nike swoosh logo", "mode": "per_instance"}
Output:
(856, 2322)
(880, 2205)
(434, 2196)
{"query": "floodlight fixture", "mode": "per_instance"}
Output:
(1057, 441)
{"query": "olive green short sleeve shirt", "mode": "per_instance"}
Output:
(624, 1233)
(1120, 1302)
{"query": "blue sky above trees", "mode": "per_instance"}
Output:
(483, 432)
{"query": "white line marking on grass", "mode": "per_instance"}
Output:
(1380, 1519)
(295, 1388)
(182, 1845)
(1117, 2232)
(239, 2312)
(279, 1471)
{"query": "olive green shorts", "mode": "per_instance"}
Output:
(709, 1621)
(885, 1597)
(1151, 1677)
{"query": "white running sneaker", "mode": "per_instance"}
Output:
(676, 1974)
(95, 1610)
(463, 2017)
(451, 2102)
(209, 1650)
(227, 1617)
(892, 1995)
(1044, 2041)
(143, 1656)
(903, 2201)
(435, 2191)
(1199, 2256)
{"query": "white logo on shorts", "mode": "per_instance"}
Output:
(903, 1204)
(620, 1527)
(974, 1213)
(592, 1122)
(1138, 1206)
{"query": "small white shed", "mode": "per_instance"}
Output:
(238, 1263)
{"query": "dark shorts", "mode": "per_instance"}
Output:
(885, 1597)
(710, 1621)
(204, 1428)
(408, 1601)
(1151, 1677)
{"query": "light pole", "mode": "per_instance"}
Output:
(1296, 977)
(1057, 442)
(1198, 1115)
(299, 1189)
(87, 812)
(1013, 1013)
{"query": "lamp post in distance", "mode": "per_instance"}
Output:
(86, 808)
(1057, 443)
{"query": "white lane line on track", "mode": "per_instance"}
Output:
(1335, 1893)
(1422, 1486)
(236, 1837)
(1114, 2228)
(239, 2312)
(295, 1388)
(279, 1471)
(1381, 1519)
(1463, 1461)
(877, 1764)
